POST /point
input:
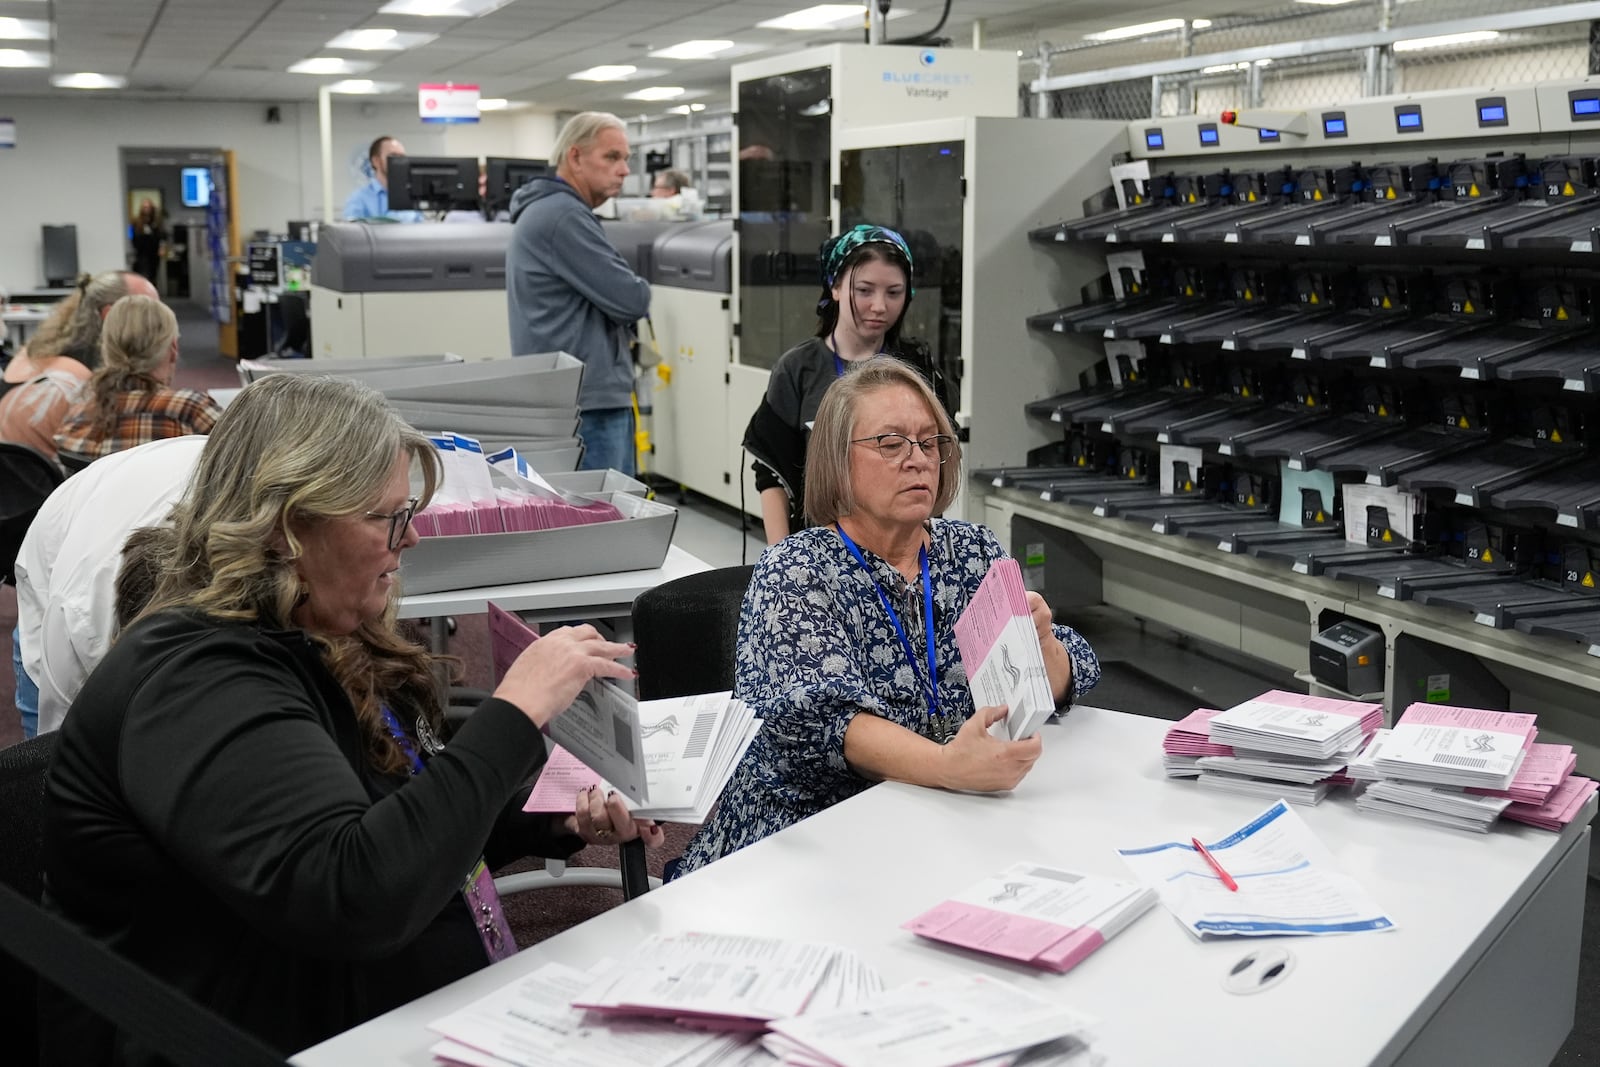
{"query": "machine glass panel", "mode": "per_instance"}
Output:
(784, 147)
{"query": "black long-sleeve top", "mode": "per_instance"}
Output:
(209, 814)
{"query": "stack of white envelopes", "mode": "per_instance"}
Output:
(1287, 745)
(1466, 768)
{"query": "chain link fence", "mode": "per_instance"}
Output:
(1486, 57)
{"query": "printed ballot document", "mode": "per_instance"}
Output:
(1287, 882)
(1001, 655)
(601, 728)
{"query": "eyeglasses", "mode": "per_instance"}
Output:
(399, 521)
(895, 447)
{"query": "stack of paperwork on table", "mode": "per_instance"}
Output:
(1038, 915)
(728, 982)
(500, 493)
(939, 1022)
(1466, 767)
(1281, 745)
(1287, 882)
(668, 758)
(1187, 740)
(1001, 654)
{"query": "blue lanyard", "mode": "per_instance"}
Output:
(932, 690)
(398, 732)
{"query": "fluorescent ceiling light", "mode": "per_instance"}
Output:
(493, 103)
(448, 9)
(1416, 44)
(685, 109)
(379, 40)
(615, 72)
(692, 50)
(87, 80)
(330, 65)
(1144, 29)
(16, 57)
(24, 29)
(656, 92)
(823, 17)
(1325, 3)
(364, 87)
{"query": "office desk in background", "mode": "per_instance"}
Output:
(21, 320)
(606, 597)
(1482, 969)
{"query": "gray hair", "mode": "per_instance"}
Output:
(581, 131)
(829, 493)
(675, 178)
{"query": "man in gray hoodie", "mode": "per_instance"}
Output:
(570, 291)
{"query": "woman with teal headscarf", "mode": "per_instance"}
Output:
(866, 289)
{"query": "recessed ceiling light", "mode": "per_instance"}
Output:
(447, 9)
(364, 87)
(16, 57)
(330, 65)
(656, 92)
(1144, 29)
(1416, 44)
(692, 50)
(87, 80)
(380, 40)
(614, 72)
(823, 17)
(24, 29)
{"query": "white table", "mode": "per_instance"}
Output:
(21, 319)
(1481, 970)
(608, 597)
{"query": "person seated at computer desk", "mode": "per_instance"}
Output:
(834, 650)
(371, 201)
(248, 797)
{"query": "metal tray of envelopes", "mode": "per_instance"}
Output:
(593, 482)
(543, 380)
(638, 541)
(477, 420)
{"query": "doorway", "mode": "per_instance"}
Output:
(180, 228)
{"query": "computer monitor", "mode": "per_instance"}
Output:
(424, 183)
(504, 176)
(196, 183)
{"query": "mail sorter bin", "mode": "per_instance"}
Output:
(593, 482)
(545, 455)
(251, 369)
(481, 422)
(638, 541)
(545, 380)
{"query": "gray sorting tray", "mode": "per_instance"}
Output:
(550, 455)
(639, 541)
(597, 482)
(251, 369)
(479, 421)
(542, 380)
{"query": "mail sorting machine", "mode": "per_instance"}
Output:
(1391, 309)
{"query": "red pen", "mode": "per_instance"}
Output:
(1227, 879)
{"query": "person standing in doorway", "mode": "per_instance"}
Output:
(149, 235)
(371, 201)
(569, 290)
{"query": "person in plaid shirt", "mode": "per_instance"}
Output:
(129, 400)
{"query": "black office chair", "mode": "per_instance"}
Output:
(26, 478)
(686, 631)
(22, 770)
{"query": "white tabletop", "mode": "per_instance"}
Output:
(599, 595)
(854, 873)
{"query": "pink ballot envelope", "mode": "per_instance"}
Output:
(560, 781)
(508, 636)
(1000, 653)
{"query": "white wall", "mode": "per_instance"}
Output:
(65, 168)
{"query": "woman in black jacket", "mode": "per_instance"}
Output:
(249, 798)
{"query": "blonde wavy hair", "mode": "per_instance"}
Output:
(289, 449)
(136, 340)
(73, 329)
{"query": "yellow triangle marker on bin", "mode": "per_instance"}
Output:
(1317, 195)
(1588, 580)
(1389, 193)
(1464, 424)
(1320, 517)
(1314, 299)
(1388, 535)
(1467, 308)
(1555, 437)
(1383, 412)
(1474, 190)
(1488, 556)
(1567, 190)
(1386, 304)
(1561, 314)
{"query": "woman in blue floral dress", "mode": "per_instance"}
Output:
(833, 652)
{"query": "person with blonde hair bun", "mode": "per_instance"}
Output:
(254, 796)
(129, 400)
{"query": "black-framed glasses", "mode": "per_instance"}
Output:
(399, 521)
(895, 447)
